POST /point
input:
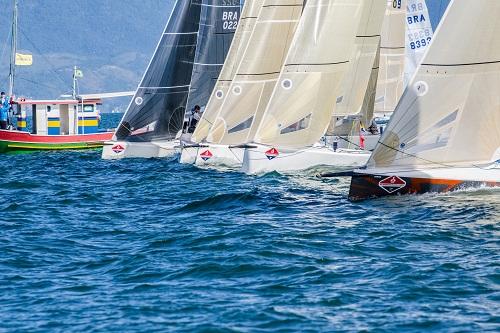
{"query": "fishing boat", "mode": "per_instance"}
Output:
(49, 124)
(181, 75)
(233, 117)
(55, 125)
(445, 133)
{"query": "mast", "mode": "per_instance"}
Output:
(12, 70)
(74, 82)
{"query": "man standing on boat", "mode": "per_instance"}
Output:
(194, 118)
(4, 111)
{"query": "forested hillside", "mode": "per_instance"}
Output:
(110, 40)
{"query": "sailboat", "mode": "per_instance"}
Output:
(445, 133)
(241, 37)
(331, 78)
(181, 74)
(55, 124)
(401, 51)
(250, 88)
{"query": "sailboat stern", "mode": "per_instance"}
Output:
(215, 155)
(114, 150)
(369, 186)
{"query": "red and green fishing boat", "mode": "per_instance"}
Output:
(54, 125)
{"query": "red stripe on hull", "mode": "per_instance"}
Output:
(365, 187)
(25, 137)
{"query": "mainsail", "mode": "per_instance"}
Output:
(390, 85)
(418, 36)
(157, 108)
(450, 113)
(257, 72)
(218, 23)
(245, 27)
(363, 57)
(302, 103)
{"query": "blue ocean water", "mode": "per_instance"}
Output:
(88, 245)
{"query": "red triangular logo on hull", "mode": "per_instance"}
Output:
(392, 184)
(118, 148)
(272, 153)
(206, 155)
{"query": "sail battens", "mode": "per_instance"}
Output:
(257, 74)
(320, 64)
(202, 64)
(181, 33)
(368, 36)
(220, 6)
(464, 64)
(282, 5)
(171, 87)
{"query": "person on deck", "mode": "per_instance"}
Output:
(4, 111)
(194, 118)
(373, 128)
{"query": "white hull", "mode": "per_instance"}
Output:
(212, 155)
(257, 160)
(480, 174)
(114, 150)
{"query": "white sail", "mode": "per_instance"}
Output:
(363, 56)
(245, 27)
(302, 103)
(449, 116)
(390, 85)
(258, 71)
(419, 35)
(368, 107)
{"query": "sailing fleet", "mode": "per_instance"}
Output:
(363, 88)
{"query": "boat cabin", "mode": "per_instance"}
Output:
(58, 117)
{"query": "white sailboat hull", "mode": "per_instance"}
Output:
(114, 150)
(212, 155)
(262, 160)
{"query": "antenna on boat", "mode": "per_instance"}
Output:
(12, 69)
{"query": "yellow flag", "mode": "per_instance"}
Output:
(24, 59)
(78, 73)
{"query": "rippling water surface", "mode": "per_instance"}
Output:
(150, 245)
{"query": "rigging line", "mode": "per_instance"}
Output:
(45, 58)
(349, 141)
(5, 45)
(235, 156)
(38, 83)
(426, 160)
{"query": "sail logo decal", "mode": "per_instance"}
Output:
(206, 155)
(118, 149)
(272, 153)
(392, 184)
